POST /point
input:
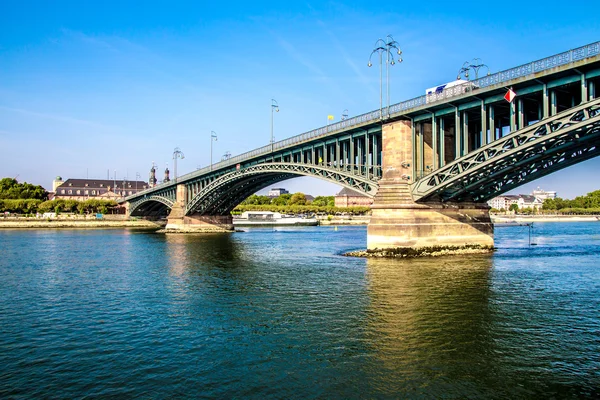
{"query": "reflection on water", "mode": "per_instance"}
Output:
(280, 313)
(197, 250)
(427, 319)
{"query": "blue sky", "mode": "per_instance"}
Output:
(87, 87)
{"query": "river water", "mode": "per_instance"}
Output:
(281, 314)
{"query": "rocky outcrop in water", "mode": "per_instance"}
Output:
(433, 251)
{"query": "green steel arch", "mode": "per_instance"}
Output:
(224, 193)
(557, 142)
(149, 205)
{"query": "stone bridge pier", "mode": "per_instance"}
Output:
(397, 221)
(178, 221)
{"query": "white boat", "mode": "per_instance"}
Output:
(269, 218)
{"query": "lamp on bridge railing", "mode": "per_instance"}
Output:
(274, 108)
(344, 114)
(177, 153)
(137, 178)
(226, 156)
(213, 138)
(386, 46)
(474, 65)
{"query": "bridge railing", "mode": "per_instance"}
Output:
(524, 70)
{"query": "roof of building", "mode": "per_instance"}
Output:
(101, 183)
(349, 193)
(528, 198)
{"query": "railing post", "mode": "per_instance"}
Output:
(545, 101)
(352, 157)
(465, 129)
(367, 163)
(484, 133)
(584, 89)
(434, 142)
(457, 133)
(521, 114)
(337, 153)
(513, 117)
(442, 142)
(413, 139)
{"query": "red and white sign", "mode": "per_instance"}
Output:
(510, 95)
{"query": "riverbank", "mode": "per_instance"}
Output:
(522, 219)
(75, 224)
(496, 219)
(122, 222)
(344, 220)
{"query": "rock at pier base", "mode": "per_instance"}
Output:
(433, 251)
(194, 230)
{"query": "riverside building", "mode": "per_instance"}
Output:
(104, 189)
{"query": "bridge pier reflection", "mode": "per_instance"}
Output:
(429, 321)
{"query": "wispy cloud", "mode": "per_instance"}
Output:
(362, 78)
(59, 118)
(296, 55)
(88, 39)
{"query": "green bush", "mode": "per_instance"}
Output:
(302, 209)
(20, 206)
(32, 206)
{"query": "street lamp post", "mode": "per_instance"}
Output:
(213, 138)
(177, 153)
(379, 48)
(474, 65)
(274, 108)
(390, 44)
(137, 178)
(386, 46)
(344, 114)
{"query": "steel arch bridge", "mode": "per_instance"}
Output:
(153, 205)
(464, 143)
(226, 191)
(557, 142)
(222, 195)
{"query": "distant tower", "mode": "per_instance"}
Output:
(167, 179)
(152, 180)
(56, 183)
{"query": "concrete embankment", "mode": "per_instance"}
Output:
(522, 219)
(32, 223)
(344, 220)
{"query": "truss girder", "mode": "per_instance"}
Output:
(222, 202)
(235, 186)
(150, 204)
(564, 139)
